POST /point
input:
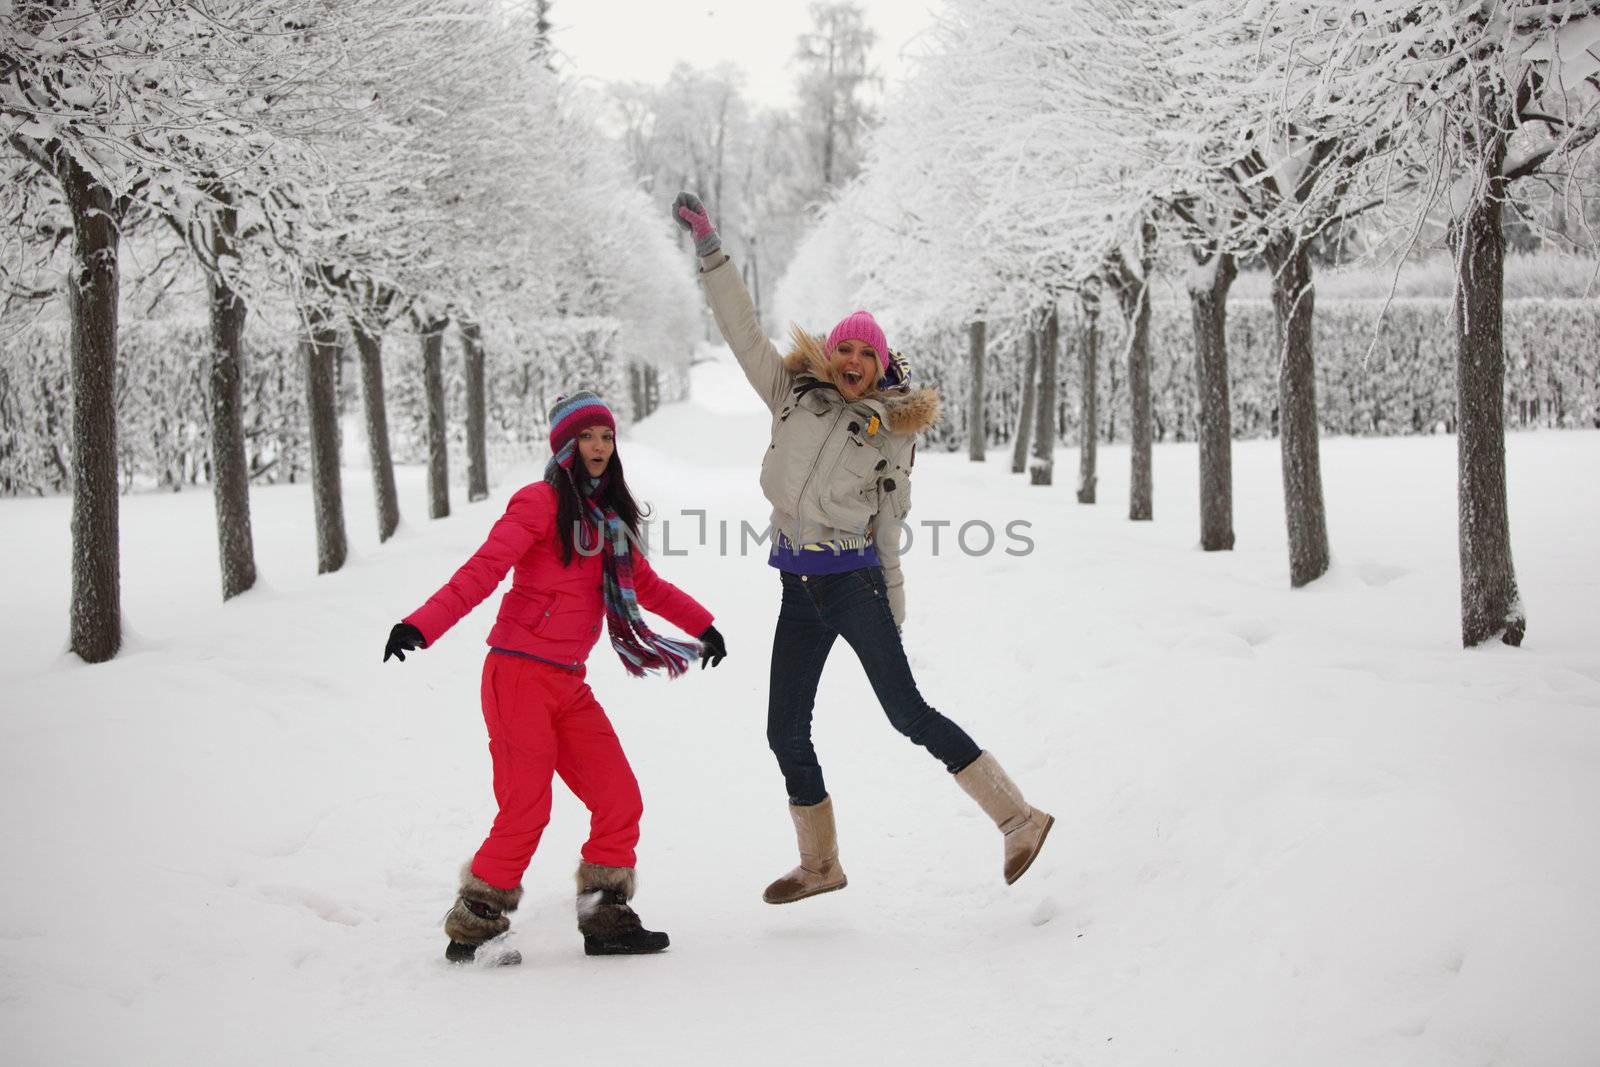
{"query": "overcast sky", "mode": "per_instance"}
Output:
(641, 40)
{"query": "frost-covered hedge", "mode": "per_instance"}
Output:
(1403, 384)
(164, 434)
(524, 370)
(1393, 377)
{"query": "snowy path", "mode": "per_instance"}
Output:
(1294, 827)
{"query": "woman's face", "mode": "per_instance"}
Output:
(595, 446)
(856, 365)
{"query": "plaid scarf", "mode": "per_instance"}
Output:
(640, 649)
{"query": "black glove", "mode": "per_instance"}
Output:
(712, 648)
(402, 639)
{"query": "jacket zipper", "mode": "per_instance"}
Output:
(805, 484)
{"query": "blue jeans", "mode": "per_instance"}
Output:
(855, 606)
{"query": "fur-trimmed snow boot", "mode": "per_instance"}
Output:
(478, 916)
(1023, 825)
(608, 925)
(819, 870)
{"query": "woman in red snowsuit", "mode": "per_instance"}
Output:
(542, 717)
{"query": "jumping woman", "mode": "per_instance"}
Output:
(838, 476)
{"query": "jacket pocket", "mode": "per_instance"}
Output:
(893, 478)
(852, 493)
(527, 611)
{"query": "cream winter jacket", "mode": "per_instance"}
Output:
(835, 468)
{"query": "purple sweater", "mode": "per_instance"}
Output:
(822, 557)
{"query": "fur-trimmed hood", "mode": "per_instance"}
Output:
(906, 411)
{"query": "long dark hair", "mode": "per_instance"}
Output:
(570, 509)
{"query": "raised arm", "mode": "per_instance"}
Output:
(731, 305)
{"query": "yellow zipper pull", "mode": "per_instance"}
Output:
(872, 425)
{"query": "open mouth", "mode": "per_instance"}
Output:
(853, 377)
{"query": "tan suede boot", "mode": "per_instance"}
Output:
(1023, 825)
(819, 870)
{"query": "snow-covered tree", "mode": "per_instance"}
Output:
(363, 162)
(697, 131)
(1001, 182)
(1266, 185)
(1462, 102)
(835, 66)
(156, 110)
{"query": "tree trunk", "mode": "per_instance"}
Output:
(1133, 296)
(438, 448)
(1292, 299)
(636, 389)
(1030, 372)
(384, 496)
(1089, 406)
(1208, 310)
(1044, 430)
(1140, 505)
(977, 431)
(320, 347)
(92, 292)
(1490, 604)
(477, 414)
(230, 469)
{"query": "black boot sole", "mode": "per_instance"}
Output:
(593, 946)
(462, 955)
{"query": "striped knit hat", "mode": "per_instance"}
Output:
(576, 412)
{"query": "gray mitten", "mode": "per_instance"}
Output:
(692, 215)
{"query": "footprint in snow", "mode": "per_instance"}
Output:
(1380, 574)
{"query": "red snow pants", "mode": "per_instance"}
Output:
(545, 720)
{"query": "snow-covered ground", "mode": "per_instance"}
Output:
(1293, 826)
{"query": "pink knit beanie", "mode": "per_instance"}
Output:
(861, 326)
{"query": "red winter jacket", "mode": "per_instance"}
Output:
(550, 611)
